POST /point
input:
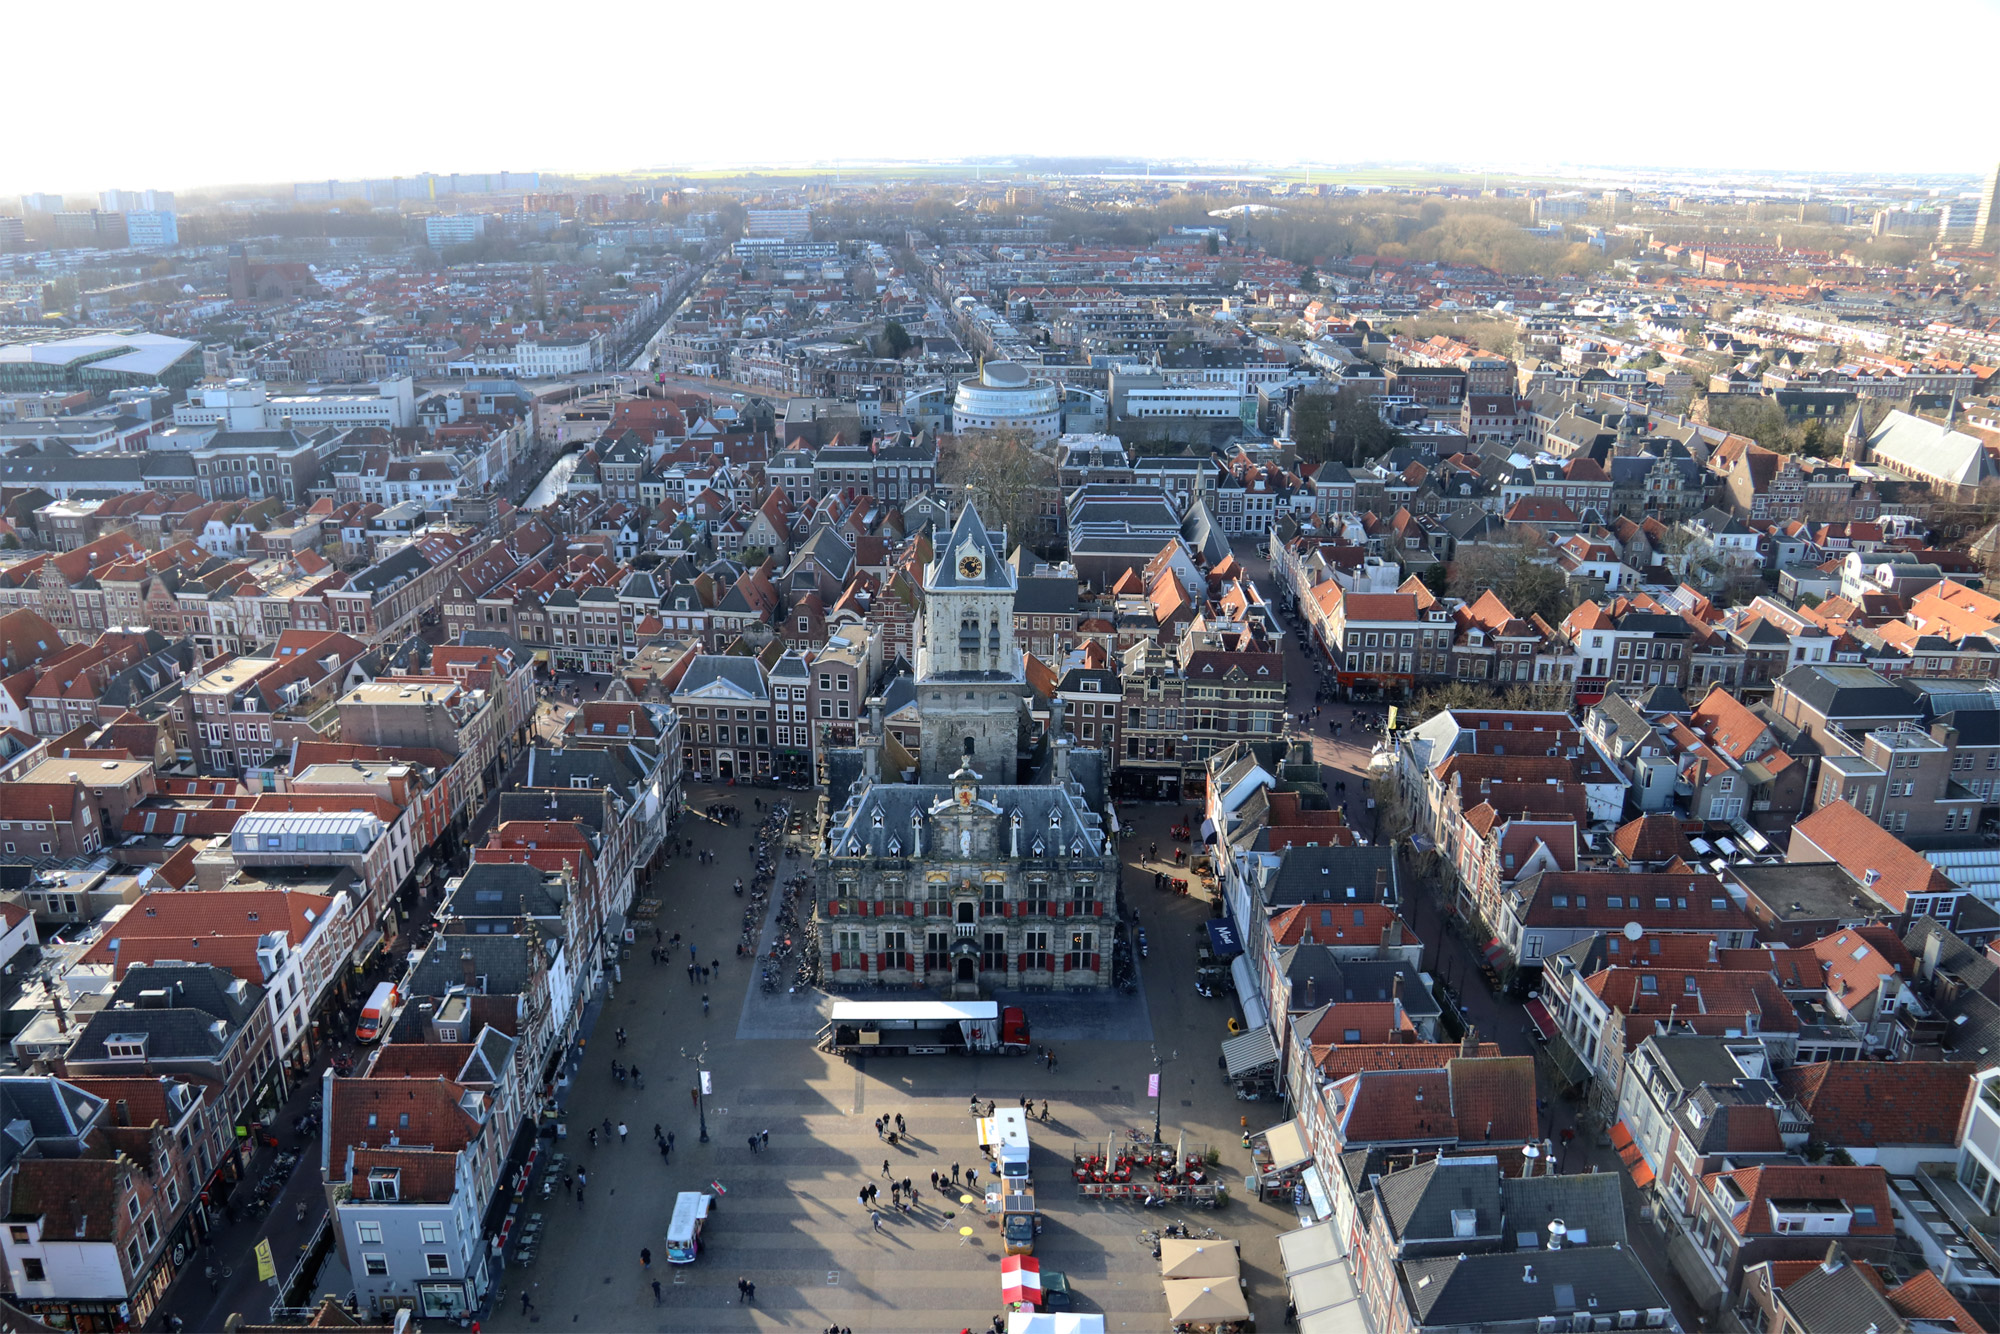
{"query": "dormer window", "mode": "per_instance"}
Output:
(385, 1183)
(126, 1046)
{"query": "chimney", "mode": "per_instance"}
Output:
(1392, 939)
(1836, 1258)
(1468, 1046)
(1558, 1234)
(466, 970)
(122, 1112)
(1312, 993)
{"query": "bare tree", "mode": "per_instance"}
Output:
(1013, 485)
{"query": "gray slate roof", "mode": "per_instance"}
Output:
(1419, 1202)
(969, 531)
(1307, 875)
(506, 962)
(509, 890)
(1500, 1287)
(1055, 817)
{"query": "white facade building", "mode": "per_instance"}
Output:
(535, 361)
(245, 405)
(152, 229)
(454, 228)
(1004, 397)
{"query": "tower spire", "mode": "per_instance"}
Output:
(1854, 446)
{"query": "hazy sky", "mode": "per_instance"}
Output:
(215, 91)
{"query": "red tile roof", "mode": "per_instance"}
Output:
(1651, 838)
(1339, 1060)
(1856, 1186)
(1840, 833)
(1923, 1296)
(1864, 1104)
(219, 927)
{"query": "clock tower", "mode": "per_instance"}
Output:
(971, 683)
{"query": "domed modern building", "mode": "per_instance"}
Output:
(1004, 397)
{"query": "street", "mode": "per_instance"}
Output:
(1453, 957)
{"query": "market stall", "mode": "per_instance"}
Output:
(1021, 1281)
(1180, 1258)
(1250, 1063)
(1206, 1305)
(1278, 1158)
(1067, 1322)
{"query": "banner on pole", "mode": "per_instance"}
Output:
(1153, 1085)
(267, 1268)
(707, 1089)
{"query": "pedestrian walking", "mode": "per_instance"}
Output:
(885, 1167)
(527, 1303)
(899, 1124)
(750, 1293)
(861, 1197)
(954, 1174)
(656, 1292)
(645, 1257)
(971, 1177)
(621, 1132)
(753, 1144)
(704, 1002)
(934, 1180)
(877, 1220)
(742, 1286)
(670, 1141)
(765, 1136)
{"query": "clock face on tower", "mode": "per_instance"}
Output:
(969, 566)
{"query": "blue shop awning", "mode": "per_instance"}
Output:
(1222, 938)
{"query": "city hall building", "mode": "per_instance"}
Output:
(969, 879)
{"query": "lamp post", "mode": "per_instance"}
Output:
(1160, 1085)
(700, 1058)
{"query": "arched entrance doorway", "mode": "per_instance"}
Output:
(967, 970)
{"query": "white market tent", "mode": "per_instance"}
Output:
(1057, 1322)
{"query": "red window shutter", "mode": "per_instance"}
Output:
(881, 962)
(836, 961)
(1023, 965)
(1006, 909)
(1093, 962)
(1097, 910)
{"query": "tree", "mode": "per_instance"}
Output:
(1027, 312)
(1214, 246)
(895, 339)
(1359, 433)
(1518, 573)
(1309, 278)
(1011, 483)
(1312, 426)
